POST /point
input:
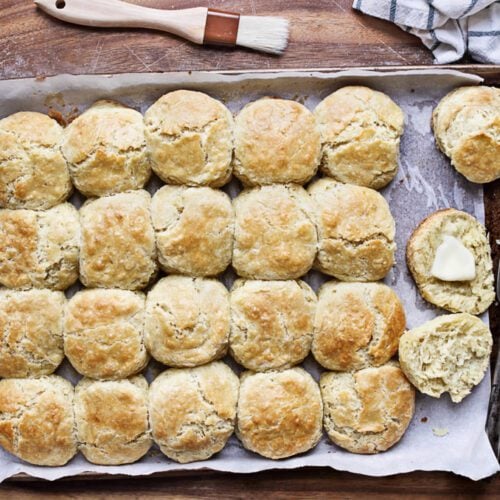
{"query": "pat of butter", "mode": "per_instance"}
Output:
(453, 262)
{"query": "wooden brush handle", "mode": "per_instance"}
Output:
(187, 23)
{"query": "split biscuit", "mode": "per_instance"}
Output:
(474, 296)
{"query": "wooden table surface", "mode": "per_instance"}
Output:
(324, 33)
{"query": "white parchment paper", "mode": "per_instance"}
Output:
(425, 182)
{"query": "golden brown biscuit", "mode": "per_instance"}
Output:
(466, 125)
(450, 353)
(367, 411)
(104, 333)
(357, 325)
(190, 139)
(112, 420)
(271, 323)
(276, 142)
(473, 296)
(39, 249)
(194, 230)
(31, 332)
(106, 150)
(275, 237)
(33, 172)
(360, 130)
(37, 421)
(187, 321)
(355, 230)
(118, 244)
(192, 411)
(279, 413)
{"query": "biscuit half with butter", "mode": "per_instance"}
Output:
(449, 258)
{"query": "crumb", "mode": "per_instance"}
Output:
(440, 431)
(40, 78)
(57, 116)
(423, 420)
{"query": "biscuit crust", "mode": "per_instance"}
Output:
(31, 332)
(37, 420)
(275, 236)
(193, 410)
(105, 149)
(466, 126)
(474, 296)
(360, 133)
(187, 321)
(194, 230)
(190, 139)
(271, 323)
(450, 353)
(276, 141)
(279, 413)
(367, 411)
(357, 325)
(39, 249)
(104, 333)
(33, 171)
(118, 244)
(112, 420)
(356, 231)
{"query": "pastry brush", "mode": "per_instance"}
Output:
(200, 25)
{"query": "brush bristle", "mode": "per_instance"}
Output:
(267, 34)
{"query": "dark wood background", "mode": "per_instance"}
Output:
(324, 34)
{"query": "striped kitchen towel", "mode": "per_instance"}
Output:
(449, 28)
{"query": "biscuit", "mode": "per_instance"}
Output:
(104, 333)
(189, 136)
(357, 325)
(105, 149)
(194, 230)
(192, 411)
(33, 171)
(39, 249)
(367, 411)
(187, 321)
(276, 141)
(275, 237)
(31, 332)
(473, 296)
(466, 126)
(279, 413)
(355, 230)
(112, 420)
(447, 354)
(118, 243)
(271, 323)
(360, 132)
(37, 420)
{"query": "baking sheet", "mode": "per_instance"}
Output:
(442, 436)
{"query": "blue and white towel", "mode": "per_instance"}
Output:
(449, 28)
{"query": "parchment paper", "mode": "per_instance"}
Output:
(425, 182)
